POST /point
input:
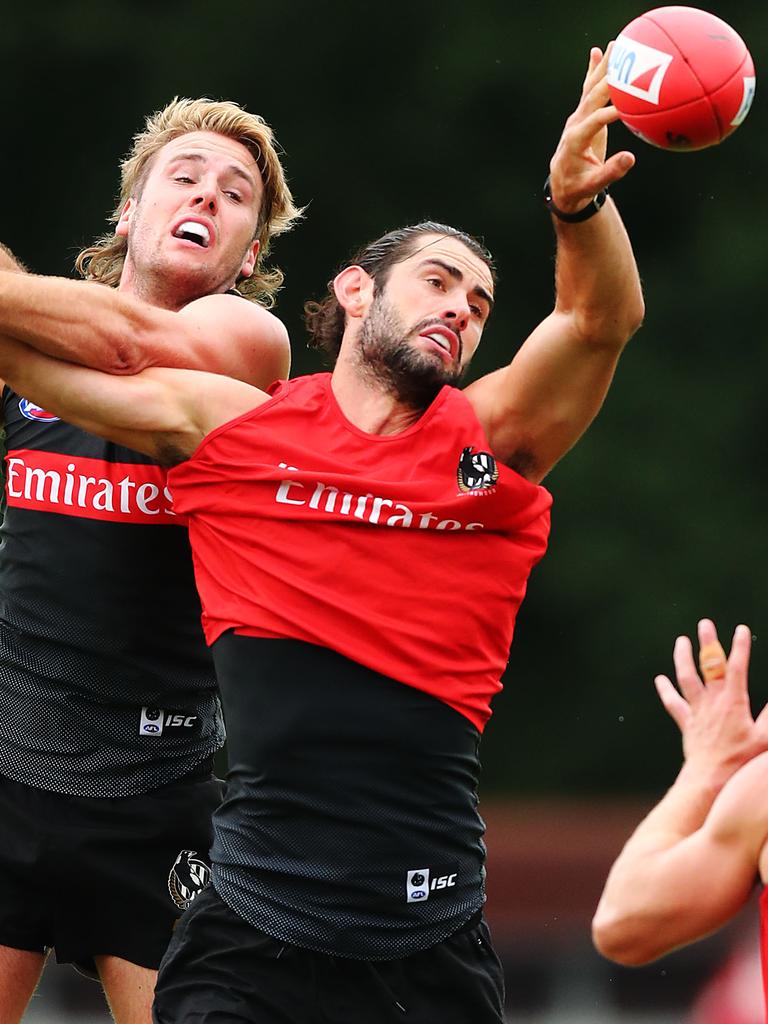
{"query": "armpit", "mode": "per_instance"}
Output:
(523, 462)
(168, 453)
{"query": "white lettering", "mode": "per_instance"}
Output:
(282, 493)
(405, 519)
(13, 474)
(330, 500)
(187, 722)
(362, 501)
(102, 499)
(81, 494)
(144, 494)
(125, 486)
(62, 485)
(39, 477)
(326, 497)
(69, 485)
(377, 506)
(169, 498)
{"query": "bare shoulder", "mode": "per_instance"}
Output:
(239, 338)
(236, 313)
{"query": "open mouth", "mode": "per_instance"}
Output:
(192, 231)
(443, 338)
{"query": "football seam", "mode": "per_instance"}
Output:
(723, 128)
(693, 70)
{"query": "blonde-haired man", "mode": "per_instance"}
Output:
(109, 715)
(104, 260)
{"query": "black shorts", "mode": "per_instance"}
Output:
(220, 970)
(87, 877)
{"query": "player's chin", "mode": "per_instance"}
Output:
(450, 376)
(443, 361)
(439, 365)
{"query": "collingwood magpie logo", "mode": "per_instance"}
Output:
(477, 471)
(189, 876)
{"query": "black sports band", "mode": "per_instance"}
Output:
(574, 218)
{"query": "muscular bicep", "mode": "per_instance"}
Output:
(231, 336)
(536, 408)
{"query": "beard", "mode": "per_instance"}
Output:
(390, 360)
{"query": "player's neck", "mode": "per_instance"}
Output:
(368, 405)
(160, 290)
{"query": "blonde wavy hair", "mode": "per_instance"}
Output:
(103, 261)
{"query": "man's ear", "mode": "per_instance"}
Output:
(353, 288)
(125, 216)
(249, 262)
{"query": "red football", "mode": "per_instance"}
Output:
(681, 78)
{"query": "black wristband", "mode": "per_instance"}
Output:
(574, 218)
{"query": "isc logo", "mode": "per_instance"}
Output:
(418, 885)
(154, 720)
(185, 720)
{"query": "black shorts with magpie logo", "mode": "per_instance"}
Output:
(86, 876)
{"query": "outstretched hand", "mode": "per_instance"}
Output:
(712, 707)
(579, 169)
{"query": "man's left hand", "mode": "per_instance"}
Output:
(579, 169)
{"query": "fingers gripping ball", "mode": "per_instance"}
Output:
(681, 78)
(712, 662)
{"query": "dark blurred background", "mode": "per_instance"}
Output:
(391, 113)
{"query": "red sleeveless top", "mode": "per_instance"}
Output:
(408, 553)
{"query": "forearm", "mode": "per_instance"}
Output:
(77, 321)
(597, 282)
(145, 411)
(642, 910)
(62, 387)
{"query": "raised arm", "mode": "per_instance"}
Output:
(692, 863)
(101, 327)
(538, 406)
